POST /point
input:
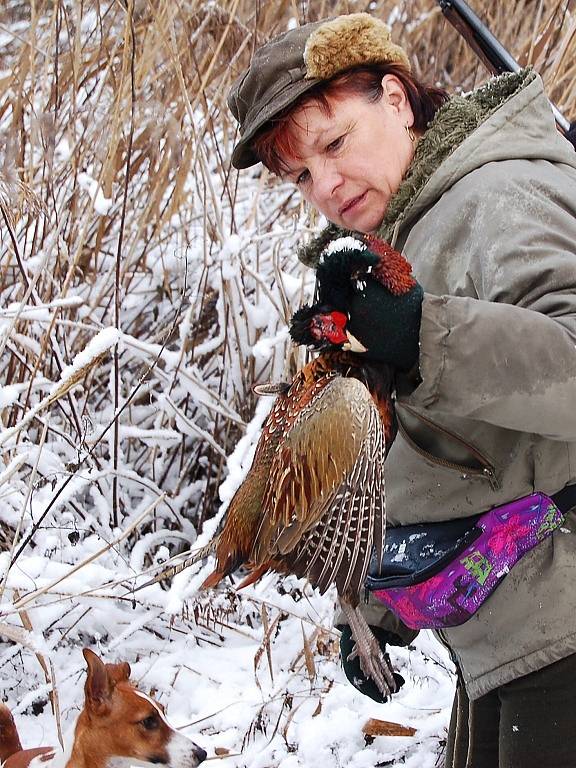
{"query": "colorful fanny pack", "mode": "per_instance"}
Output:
(438, 575)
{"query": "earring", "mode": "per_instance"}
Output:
(410, 133)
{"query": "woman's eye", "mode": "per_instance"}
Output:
(150, 723)
(302, 178)
(336, 144)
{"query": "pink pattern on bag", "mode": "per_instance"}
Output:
(457, 591)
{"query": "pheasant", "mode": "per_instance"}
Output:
(312, 503)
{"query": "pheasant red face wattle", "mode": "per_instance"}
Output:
(329, 327)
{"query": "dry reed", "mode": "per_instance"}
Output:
(120, 204)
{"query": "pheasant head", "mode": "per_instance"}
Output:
(321, 327)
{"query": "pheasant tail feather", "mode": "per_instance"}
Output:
(174, 570)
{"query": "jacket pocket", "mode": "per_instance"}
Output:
(443, 448)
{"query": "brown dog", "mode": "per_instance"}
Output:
(117, 725)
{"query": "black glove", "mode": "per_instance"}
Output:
(387, 325)
(352, 669)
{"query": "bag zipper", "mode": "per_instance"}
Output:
(487, 470)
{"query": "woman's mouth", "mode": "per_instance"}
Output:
(351, 205)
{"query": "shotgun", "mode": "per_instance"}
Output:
(491, 51)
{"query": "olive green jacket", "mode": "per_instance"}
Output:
(487, 217)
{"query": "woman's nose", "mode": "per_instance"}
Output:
(327, 181)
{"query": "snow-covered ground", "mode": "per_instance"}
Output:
(232, 669)
(253, 676)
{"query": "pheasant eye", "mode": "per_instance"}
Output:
(317, 327)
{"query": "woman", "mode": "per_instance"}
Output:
(479, 193)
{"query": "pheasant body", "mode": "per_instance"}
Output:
(312, 502)
(232, 546)
(317, 519)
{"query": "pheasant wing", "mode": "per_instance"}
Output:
(324, 504)
(338, 549)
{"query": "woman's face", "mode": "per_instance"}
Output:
(350, 163)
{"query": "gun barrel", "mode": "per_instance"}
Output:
(487, 46)
(490, 47)
(560, 119)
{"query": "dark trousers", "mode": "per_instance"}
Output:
(528, 723)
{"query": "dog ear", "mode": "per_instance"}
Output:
(118, 673)
(98, 687)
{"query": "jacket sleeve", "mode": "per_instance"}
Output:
(507, 354)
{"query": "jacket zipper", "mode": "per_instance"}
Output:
(488, 471)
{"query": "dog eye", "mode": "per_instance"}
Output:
(150, 723)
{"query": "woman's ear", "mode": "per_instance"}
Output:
(393, 93)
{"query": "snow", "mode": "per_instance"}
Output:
(39, 312)
(347, 243)
(9, 395)
(69, 376)
(206, 657)
(102, 342)
(264, 348)
(101, 204)
(207, 663)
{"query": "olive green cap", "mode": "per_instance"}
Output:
(275, 79)
(294, 62)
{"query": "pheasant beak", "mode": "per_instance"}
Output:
(352, 344)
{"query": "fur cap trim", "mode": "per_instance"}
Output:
(350, 41)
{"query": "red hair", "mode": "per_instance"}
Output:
(275, 142)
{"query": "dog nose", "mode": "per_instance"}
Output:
(200, 754)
